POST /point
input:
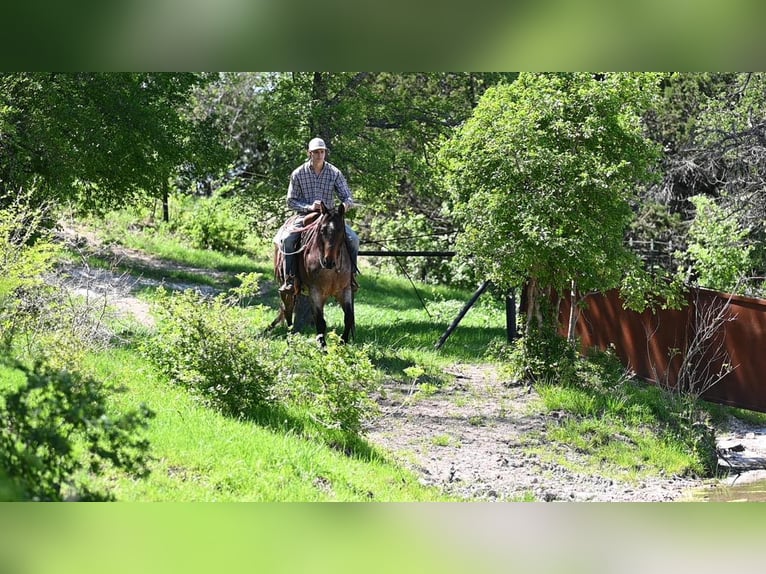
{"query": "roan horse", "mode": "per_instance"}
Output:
(324, 269)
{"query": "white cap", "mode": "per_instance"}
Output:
(317, 143)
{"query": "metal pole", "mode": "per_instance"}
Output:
(463, 311)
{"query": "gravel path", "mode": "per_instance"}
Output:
(470, 438)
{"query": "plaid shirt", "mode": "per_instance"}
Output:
(306, 187)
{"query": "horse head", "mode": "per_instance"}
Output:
(332, 235)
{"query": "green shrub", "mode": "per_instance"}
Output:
(543, 356)
(333, 384)
(25, 256)
(214, 223)
(206, 345)
(56, 433)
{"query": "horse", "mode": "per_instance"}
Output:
(324, 270)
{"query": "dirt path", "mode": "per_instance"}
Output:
(114, 287)
(470, 438)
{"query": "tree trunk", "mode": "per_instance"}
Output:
(510, 316)
(303, 319)
(573, 312)
(165, 207)
(533, 305)
(319, 95)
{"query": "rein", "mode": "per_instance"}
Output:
(309, 230)
(309, 233)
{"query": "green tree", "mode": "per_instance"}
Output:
(725, 157)
(542, 175)
(384, 130)
(103, 139)
(718, 253)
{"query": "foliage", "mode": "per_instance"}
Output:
(206, 345)
(643, 289)
(383, 130)
(57, 433)
(38, 315)
(214, 223)
(102, 139)
(23, 260)
(542, 357)
(335, 384)
(203, 344)
(542, 174)
(718, 254)
(723, 158)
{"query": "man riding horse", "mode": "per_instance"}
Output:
(311, 184)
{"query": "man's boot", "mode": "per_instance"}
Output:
(289, 285)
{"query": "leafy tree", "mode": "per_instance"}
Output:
(383, 129)
(718, 253)
(662, 206)
(723, 157)
(103, 139)
(541, 178)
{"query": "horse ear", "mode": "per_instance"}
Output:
(322, 208)
(342, 210)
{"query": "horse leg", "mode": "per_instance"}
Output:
(346, 301)
(279, 318)
(287, 308)
(317, 309)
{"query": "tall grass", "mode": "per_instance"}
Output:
(202, 455)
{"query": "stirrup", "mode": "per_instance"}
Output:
(289, 285)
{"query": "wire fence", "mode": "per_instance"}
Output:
(654, 253)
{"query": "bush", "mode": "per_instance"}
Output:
(543, 356)
(215, 223)
(333, 384)
(56, 433)
(24, 258)
(205, 345)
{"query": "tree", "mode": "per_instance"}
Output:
(726, 154)
(718, 253)
(541, 177)
(383, 130)
(103, 139)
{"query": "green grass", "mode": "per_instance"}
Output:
(627, 432)
(200, 455)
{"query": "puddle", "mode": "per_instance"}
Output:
(746, 491)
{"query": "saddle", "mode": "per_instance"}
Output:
(295, 223)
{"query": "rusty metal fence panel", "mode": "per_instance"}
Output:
(651, 344)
